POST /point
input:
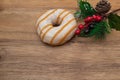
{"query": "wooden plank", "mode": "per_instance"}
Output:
(46, 4)
(24, 57)
(43, 4)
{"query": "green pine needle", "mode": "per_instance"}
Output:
(77, 14)
(85, 9)
(114, 21)
(99, 32)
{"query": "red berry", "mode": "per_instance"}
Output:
(88, 19)
(94, 17)
(81, 26)
(99, 18)
(77, 32)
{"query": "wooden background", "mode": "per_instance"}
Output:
(24, 57)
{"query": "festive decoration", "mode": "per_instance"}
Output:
(77, 32)
(97, 21)
(114, 21)
(103, 6)
(81, 26)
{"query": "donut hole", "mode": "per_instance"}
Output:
(56, 25)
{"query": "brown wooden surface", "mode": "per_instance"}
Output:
(24, 57)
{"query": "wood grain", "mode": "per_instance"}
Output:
(24, 57)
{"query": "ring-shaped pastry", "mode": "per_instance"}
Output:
(56, 26)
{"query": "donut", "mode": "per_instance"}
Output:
(56, 26)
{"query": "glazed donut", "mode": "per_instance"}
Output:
(56, 35)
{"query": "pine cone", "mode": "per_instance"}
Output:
(103, 6)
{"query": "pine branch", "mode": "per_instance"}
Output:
(114, 11)
(85, 9)
(99, 32)
(114, 21)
